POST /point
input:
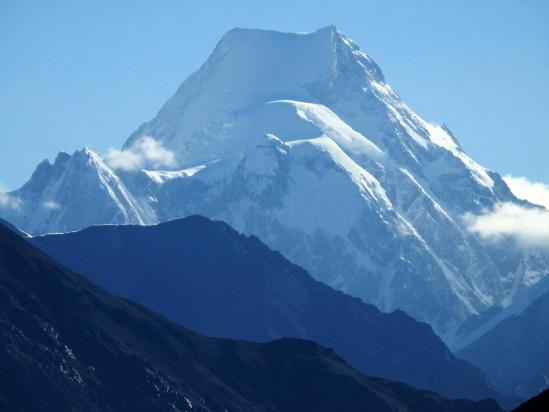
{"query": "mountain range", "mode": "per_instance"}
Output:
(208, 277)
(68, 345)
(299, 140)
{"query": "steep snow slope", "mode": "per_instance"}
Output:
(315, 204)
(298, 138)
(331, 200)
(74, 192)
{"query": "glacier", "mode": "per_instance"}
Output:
(299, 140)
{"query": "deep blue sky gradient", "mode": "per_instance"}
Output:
(77, 73)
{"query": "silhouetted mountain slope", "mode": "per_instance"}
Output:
(539, 403)
(206, 276)
(515, 353)
(13, 228)
(68, 345)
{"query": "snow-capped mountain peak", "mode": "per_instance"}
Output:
(65, 195)
(298, 139)
(247, 69)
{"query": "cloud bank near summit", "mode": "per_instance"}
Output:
(9, 202)
(529, 226)
(534, 192)
(145, 151)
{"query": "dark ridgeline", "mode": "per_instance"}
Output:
(539, 403)
(68, 345)
(205, 275)
(14, 229)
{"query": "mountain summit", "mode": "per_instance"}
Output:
(298, 139)
(247, 69)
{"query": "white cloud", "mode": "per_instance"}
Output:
(534, 192)
(529, 226)
(123, 159)
(50, 204)
(9, 202)
(145, 151)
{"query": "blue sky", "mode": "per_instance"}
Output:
(75, 73)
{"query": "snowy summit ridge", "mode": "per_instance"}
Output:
(298, 139)
(247, 69)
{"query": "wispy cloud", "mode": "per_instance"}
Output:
(145, 152)
(535, 192)
(529, 226)
(8, 201)
(50, 204)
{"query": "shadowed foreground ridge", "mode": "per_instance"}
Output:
(68, 345)
(515, 353)
(205, 275)
(536, 404)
